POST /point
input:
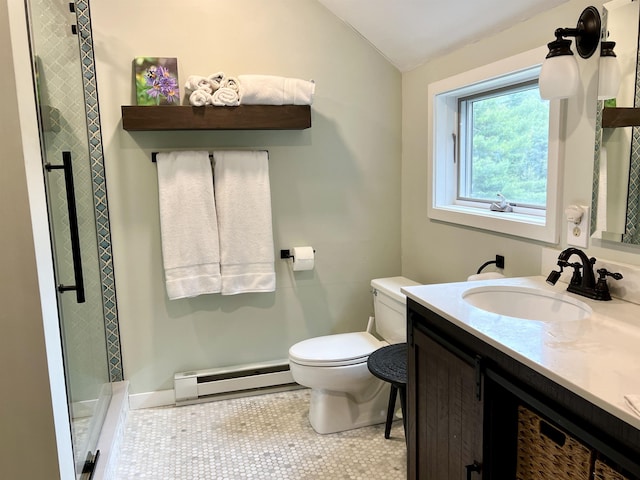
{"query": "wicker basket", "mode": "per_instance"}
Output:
(602, 471)
(545, 452)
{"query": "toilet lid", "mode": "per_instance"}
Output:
(335, 350)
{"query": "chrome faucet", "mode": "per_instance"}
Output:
(583, 282)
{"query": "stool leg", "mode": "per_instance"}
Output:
(403, 403)
(390, 410)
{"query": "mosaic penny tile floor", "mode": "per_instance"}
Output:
(261, 437)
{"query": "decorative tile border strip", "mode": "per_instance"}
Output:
(598, 146)
(105, 258)
(632, 234)
(596, 169)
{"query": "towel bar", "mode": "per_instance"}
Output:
(155, 154)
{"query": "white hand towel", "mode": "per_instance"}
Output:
(216, 80)
(225, 97)
(200, 98)
(633, 402)
(231, 82)
(274, 90)
(198, 82)
(188, 224)
(243, 203)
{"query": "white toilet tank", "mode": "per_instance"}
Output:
(389, 306)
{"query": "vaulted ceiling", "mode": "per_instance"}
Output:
(410, 32)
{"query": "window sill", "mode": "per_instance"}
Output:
(533, 227)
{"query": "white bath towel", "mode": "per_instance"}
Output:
(243, 203)
(225, 97)
(633, 402)
(200, 98)
(198, 82)
(274, 90)
(189, 228)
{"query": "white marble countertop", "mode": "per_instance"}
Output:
(597, 358)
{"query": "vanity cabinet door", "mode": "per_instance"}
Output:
(444, 412)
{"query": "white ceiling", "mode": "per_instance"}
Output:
(410, 32)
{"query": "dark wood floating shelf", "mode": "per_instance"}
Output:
(243, 117)
(613, 117)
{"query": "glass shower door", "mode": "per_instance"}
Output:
(69, 186)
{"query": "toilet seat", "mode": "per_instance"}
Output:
(335, 350)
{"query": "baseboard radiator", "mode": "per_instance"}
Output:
(234, 381)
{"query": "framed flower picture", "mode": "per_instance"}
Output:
(156, 81)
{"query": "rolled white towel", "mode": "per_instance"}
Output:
(200, 98)
(216, 80)
(274, 90)
(231, 82)
(225, 97)
(198, 82)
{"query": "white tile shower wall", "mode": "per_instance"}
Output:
(627, 289)
(61, 88)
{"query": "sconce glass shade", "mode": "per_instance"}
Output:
(559, 76)
(609, 72)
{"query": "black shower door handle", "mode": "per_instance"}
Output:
(73, 227)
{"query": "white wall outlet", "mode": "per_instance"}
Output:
(578, 232)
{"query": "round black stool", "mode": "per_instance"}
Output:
(390, 364)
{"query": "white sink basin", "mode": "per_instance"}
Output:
(526, 303)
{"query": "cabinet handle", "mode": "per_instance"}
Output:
(478, 374)
(410, 329)
(474, 467)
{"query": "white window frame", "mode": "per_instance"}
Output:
(443, 112)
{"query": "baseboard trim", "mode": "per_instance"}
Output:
(165, 398)
(159, 398)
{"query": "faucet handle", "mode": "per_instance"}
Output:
(553, 277)
(602, 289)
(603, 273)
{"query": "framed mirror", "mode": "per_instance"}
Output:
(615, 212)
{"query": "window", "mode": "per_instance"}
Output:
(493, 137)
(503, 143)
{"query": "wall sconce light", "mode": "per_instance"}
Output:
(609, 72)
(559, 76)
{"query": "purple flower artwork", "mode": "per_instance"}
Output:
(156, 81)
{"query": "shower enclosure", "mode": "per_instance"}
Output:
(70, 139)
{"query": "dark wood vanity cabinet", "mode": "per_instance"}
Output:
(445, 398)
(463, 399)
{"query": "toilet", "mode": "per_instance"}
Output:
(344, 394)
